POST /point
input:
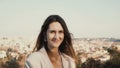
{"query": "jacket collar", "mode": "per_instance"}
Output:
(64, 61)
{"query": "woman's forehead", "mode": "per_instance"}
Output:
(55, 26)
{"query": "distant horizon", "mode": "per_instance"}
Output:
(71, 36)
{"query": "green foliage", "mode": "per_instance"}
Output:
(92, 63)
(113, 62)
(113, 52)
(11, 64)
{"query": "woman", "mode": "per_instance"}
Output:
(53, 47)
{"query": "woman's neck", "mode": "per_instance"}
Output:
(55, 58)
(54, 52)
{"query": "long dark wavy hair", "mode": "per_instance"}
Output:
(66, 46)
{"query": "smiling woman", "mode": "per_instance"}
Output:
(53, 47)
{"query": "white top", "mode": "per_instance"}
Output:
(40, 59)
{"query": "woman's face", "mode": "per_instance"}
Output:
(55, 35)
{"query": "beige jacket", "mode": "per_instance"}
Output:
(40, 59)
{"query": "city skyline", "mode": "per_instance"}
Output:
(89, 18)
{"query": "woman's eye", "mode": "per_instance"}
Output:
(61, 32)
(52, 31)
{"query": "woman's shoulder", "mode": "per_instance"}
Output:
(33, 56)
(37, 55)
(34, 60)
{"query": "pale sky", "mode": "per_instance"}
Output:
(84, 18)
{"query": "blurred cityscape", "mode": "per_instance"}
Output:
(17, 48)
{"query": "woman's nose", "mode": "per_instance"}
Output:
(56, 36)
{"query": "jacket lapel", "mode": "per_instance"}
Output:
(48, 62)
(65, 62)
